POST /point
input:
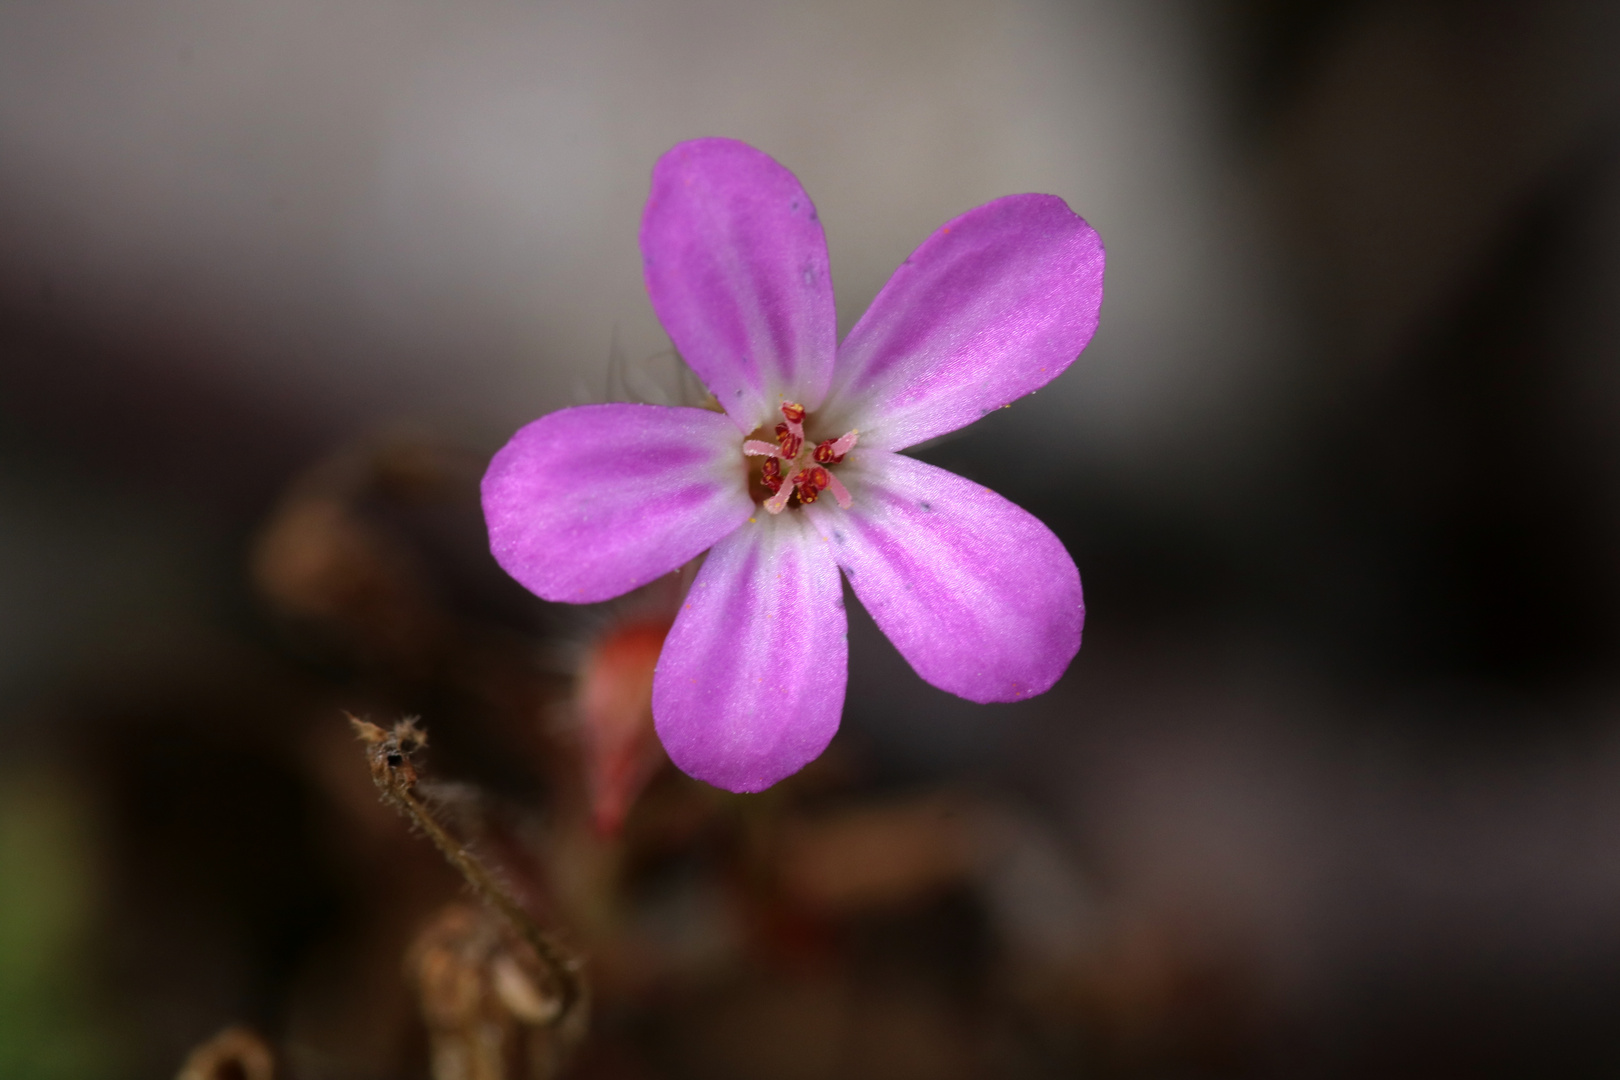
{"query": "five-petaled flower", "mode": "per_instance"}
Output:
(801, 474)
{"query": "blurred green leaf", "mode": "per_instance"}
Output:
(49, 1027)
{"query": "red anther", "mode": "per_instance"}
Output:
(793, 411)
(771, 474)
(816, 478)
(827, 453)
(808, 494)
(789, 440)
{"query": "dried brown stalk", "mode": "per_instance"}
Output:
(394, 771)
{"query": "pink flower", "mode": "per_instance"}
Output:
(801, 474)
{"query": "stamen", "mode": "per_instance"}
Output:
(831, 452)
(778, 502)
(839, 491)
(780, 471)
(790, 437)
(771, 474)
(811, 483)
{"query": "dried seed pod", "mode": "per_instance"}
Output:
(484, 997)
(236, 1053)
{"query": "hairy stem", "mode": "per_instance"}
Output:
(395, 774)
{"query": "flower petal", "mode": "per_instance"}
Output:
(992, 306)
(588, 503)
(736, 266)
(976, 593)
(750, 686)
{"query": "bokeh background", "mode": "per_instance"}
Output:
(1333, 787)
